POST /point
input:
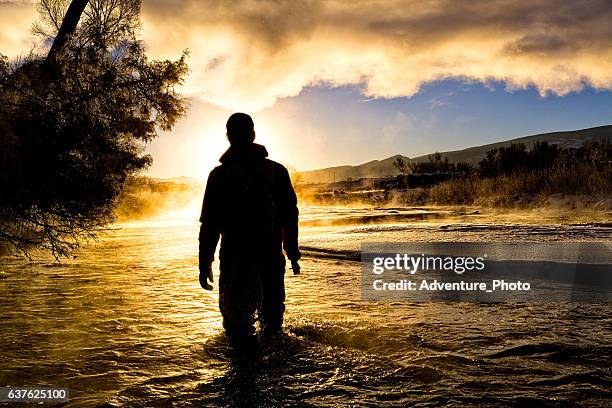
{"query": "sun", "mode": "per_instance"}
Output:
(275, 135)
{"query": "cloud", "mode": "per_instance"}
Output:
(15, 21)
(252, 52)
(247, 54)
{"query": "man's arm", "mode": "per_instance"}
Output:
(210, 230)
(289, 215)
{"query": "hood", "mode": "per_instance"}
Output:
(249, 153)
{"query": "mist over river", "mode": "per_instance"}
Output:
(125, 323)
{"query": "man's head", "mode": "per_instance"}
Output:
(240, 129)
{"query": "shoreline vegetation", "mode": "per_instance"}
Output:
(512, 177)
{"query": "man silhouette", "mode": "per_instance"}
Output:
(249, 202)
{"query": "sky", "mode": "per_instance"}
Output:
(344, 82)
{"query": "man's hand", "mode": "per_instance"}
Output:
(206, 274)
(296, 267)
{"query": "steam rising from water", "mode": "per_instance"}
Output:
(145, 198)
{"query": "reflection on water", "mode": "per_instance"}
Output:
(126, 323)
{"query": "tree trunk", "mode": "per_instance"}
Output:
(69, 23)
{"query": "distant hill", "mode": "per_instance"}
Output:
(378, 168)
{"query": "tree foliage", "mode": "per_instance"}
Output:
(434, 164)
(401, 166)
(516, 158)
(73, 127)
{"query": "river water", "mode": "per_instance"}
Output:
(126, 324)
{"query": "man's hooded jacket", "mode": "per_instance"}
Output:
(250, 203)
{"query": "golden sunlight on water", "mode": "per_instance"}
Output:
(126, 324)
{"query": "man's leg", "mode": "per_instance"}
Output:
(239, 298)
(273, 299)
